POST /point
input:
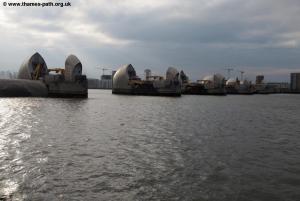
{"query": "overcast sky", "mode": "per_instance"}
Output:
(199, 36)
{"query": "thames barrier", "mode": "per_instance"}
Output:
(35, 80)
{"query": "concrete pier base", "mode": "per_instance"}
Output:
(22, 88)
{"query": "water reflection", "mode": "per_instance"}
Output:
(111, 147)
(17, 120)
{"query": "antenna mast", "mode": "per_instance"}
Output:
(228, 72)
(242, 75)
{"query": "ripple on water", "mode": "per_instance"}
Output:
(112, 147)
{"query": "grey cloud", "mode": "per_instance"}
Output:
(198, 37)
(226, 23)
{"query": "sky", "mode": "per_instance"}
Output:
(201, 37)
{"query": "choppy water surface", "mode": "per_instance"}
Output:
(111, 147)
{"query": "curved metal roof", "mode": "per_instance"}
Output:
(73, 67)
(28, 67)
(172, 74)
(231, 81)
(122, 76)
(219, 76)
(208, 78)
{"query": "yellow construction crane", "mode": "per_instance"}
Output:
(37, 72)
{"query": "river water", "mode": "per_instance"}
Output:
(112, 147)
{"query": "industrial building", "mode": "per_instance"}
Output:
(262, 87)
(295, 82)
(93, 83)
(126, 81)
(259, 79)
(277, 87)
(104, 83)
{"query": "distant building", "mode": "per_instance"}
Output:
(295, 82)
(278, 87)
(104, 83)
(259, 79)
(8, 75)
(106, 77)
(147, 74)
(93, 83)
